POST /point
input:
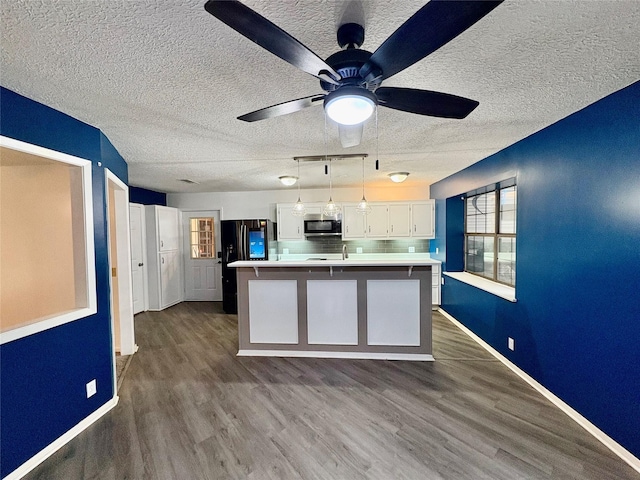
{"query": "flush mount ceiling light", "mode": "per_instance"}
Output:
(350, 105)
(288, 180)
(398, 177)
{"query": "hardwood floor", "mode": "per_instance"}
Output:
(190, 409)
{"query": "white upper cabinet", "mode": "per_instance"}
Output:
(423, 219)
(290, 227)
(399, 220)
(353, 223)
(378, 221)
(168, 228)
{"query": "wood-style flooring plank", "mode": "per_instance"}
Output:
(190, 409)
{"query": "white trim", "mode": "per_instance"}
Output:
(145, 274)
(122, 263)
(421, 357)
(607, 441)
(495, 288)
(90, 258)
(65, 438)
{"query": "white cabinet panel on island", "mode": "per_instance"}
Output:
(273, 311)
(393, 312)
(332, 312)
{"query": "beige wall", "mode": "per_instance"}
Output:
(37, 260)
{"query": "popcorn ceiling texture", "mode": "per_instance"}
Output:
(165, 81)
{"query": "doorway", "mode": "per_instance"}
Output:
(202, 265)
(122, 330)
(138, 256)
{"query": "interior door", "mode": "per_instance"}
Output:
(203, 268)
(137, 256)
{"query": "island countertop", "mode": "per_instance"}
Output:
(401, 262)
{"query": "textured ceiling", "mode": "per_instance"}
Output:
(165, 81)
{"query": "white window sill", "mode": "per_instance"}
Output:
(498, 289)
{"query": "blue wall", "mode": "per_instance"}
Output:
(147, 197)
(577, 319)
(44, 375)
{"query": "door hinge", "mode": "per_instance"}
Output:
(114, 272)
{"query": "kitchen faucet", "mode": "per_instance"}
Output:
(345, 253)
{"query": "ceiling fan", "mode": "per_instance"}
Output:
(352, 77)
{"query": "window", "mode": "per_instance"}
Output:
(46, 232)
(490, 234)
(202, 243)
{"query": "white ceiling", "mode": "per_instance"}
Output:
(165, 81)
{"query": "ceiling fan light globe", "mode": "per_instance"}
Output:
(350, 105)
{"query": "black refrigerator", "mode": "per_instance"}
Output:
(242, 240)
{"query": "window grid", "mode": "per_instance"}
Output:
(202, 238)
(490, 235)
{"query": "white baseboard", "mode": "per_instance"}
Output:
(422, 357)
(606, 440)
(53, 447)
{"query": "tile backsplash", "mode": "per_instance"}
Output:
(334, 245)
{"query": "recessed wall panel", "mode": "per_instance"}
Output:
(273, 311)
(393, 312)
(332, 312)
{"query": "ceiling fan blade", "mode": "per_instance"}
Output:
(425, 102)
(270, 37)
(435, 24)
(282, 108)
(350, 135)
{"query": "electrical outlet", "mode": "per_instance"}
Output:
(412, 249)
(512, 344)
(437, 250)
(91, 388)
(442, 280)
(358, 249)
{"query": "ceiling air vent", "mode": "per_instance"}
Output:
(190, 182)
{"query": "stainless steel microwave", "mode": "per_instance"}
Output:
(318, 225)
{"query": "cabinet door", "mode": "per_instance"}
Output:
(378, 221)
(399, 220)
(422, 219)
(353, 223)
(170, 282)
(290, 227)
(168, 229)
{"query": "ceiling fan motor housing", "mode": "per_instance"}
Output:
(348, 63)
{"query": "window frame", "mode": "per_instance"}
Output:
(496, 235)
(91, 307)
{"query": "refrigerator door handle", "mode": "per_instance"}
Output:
(243, 240)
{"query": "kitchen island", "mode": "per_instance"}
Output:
(367, 309)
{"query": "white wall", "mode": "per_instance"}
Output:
(262, 204)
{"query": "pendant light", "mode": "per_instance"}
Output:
(331, 209)
(299, 209)
(363, 207)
